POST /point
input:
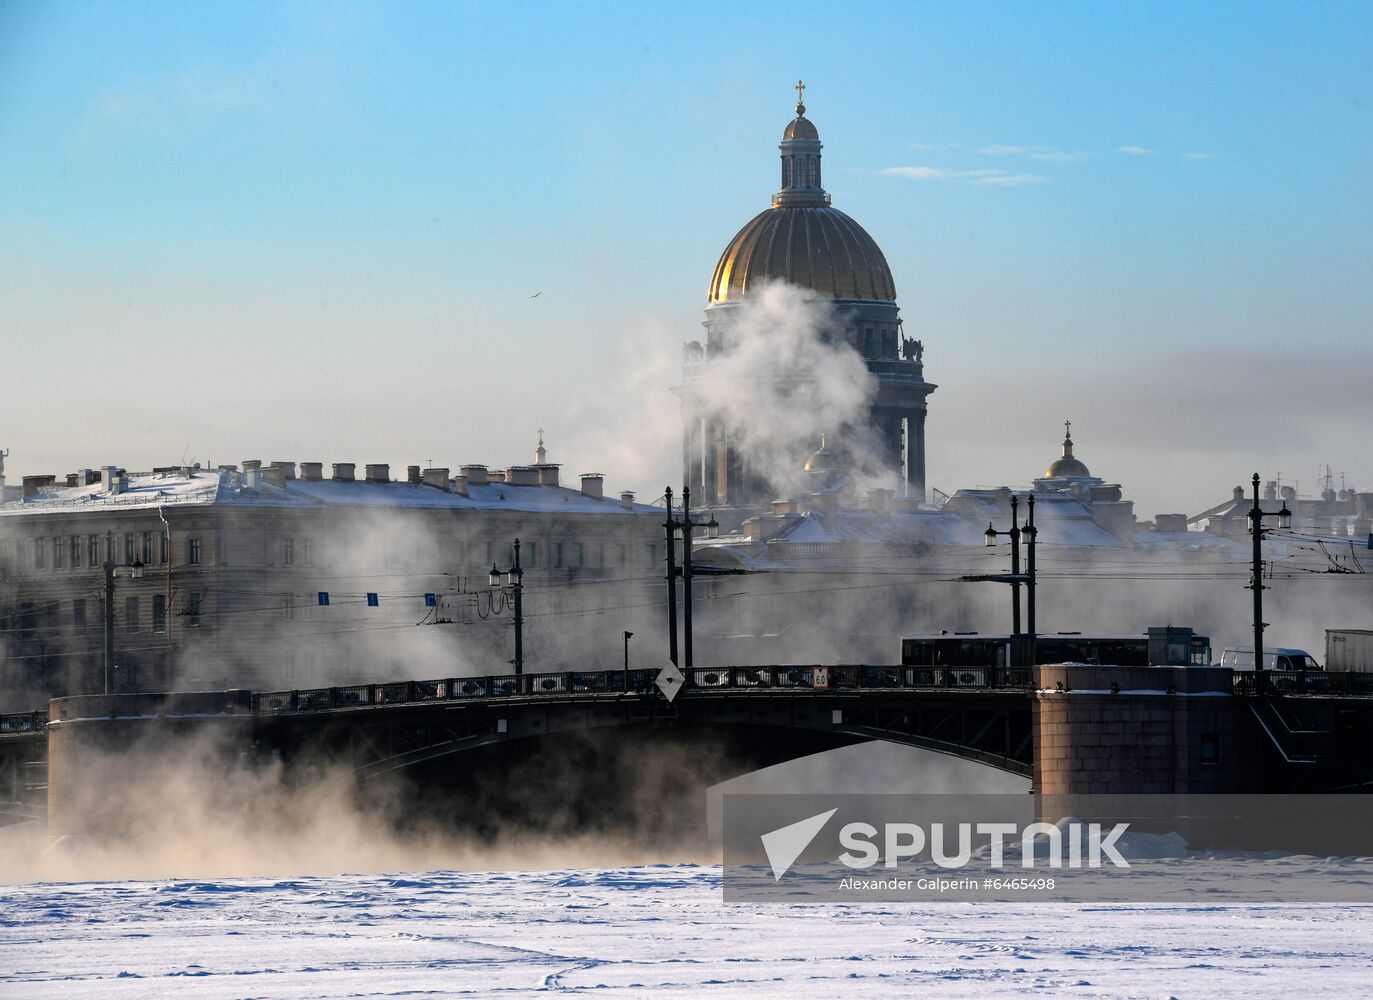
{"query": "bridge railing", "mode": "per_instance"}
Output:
(705, 679)
(23, 722)
(1296, 682)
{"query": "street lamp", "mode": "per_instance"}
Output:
(628, 636)
(671, 527)
(1257, 530)
(512, 578)
(989, 540)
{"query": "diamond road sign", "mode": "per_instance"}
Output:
(670, 681)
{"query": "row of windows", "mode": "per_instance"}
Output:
(560, 555)
(61, 551)
(133, 619)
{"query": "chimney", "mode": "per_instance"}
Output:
(1239, 494)
(72, 478)
(379, 473)
(252, 475)
(312, 472)
(1170, 522)
(784, 506)
(593, 485)
(523, 475)
(275, 475)
(437, 478)
(412, 475)
(36, 484)
(1270, 490)
(343, 471)
(288, 469)
(460, 485)
(496, 475)
(548, 474)
(251, 464)
(89, 477)
(627, 500)
(228, 468)
(1289, 494)
(107, 478)
(879, 500)
(474, 474)
(121, 481)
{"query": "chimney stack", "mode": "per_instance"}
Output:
(312, 472)
(379, 473)
(343, 471)
(593, 485)
(275, 475)
(474, 474)
(288, 469)
(627, 500)
(412, 475)
(437, 478)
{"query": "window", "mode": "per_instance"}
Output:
(529, 555)
(288, 551)
(193, 600)
(109, 546)
(76, 551)
(652, 555)
(159, 612)
(147, 548)
(131, 614)
(193, 551)
(59, 552)
(557, 555)
(40, 553)
(621, 555)
(597, 556)
(577, 555)
(163, 545)
(79, 611)
(307, 551)
(288, 606)
(93, 550)
(1210, 748)
(128, 548)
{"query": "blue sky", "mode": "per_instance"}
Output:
(312, 231)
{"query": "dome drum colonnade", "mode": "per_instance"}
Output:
(803, 241)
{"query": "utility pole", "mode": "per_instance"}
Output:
(669, 528)
(1030, 534)
(1256, 516)
(519, 612)
(686, 575)
(628, 635)
(1015, 564)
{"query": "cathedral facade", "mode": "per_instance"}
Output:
(803, 241)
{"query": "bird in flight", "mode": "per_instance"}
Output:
(536, 295)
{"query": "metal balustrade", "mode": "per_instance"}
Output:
(707, 680)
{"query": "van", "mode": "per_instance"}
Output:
(1274, 658)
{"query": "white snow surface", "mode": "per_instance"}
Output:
(644, 931)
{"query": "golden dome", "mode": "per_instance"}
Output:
(818, 247)
(823, 460)
(801, 127)
(1068, 466)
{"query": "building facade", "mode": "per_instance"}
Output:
(280, 576)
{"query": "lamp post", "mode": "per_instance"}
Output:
(111, 571)
(1256, 528)
(513, 578)
(628, 635)
(672, 526)
(990, 536)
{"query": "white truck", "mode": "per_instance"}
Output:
(1349, 650)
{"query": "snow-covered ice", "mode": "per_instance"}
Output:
(644, 931)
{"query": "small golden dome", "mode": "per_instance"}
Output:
(801, 127)
(823, 460)
(1068, 466)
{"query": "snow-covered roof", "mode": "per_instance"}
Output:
(217, 487)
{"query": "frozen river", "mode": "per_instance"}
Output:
(643, 931)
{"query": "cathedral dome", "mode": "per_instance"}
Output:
(819, 248)
(802, 240)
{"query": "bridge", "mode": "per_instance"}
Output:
(1070, 728)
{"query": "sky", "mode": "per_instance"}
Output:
(415, 232)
